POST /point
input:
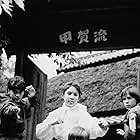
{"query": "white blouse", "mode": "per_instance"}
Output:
(75, 116)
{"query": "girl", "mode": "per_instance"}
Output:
(60, 121)
(131, 99)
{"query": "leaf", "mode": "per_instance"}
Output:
(20, 4)
(7, 9)
(6, 2)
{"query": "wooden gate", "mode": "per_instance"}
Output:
(33, 75)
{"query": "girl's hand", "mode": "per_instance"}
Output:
(103, 123)
(120, 132)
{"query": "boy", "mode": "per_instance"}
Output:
(16, 109)
(131, 100)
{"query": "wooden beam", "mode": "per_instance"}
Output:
(138, 77)
(20, 56)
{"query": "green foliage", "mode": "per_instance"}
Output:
(63, 59)
(4, 43)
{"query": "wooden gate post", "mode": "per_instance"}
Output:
(20, 55)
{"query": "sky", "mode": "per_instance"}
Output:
(45, 64)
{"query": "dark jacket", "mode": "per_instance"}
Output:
(13, 121)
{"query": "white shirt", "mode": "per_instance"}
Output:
(75, 116)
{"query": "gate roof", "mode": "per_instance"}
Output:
(38, 29)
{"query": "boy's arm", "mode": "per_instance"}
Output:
(30, 100)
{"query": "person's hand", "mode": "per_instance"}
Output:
(31, 91)
(103, 123)
(120, 132)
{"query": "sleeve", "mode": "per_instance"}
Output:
(27, 107)
(133, 114)
(135, 110)
(129, 135)
(45, 130)
(91, 123)
(131, 128)
(30, 101)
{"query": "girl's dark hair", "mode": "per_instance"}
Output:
(74, 84)
(79, 133)
(132, 91)
(16, 82)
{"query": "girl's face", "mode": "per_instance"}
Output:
(129, 101)
(71, 96)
